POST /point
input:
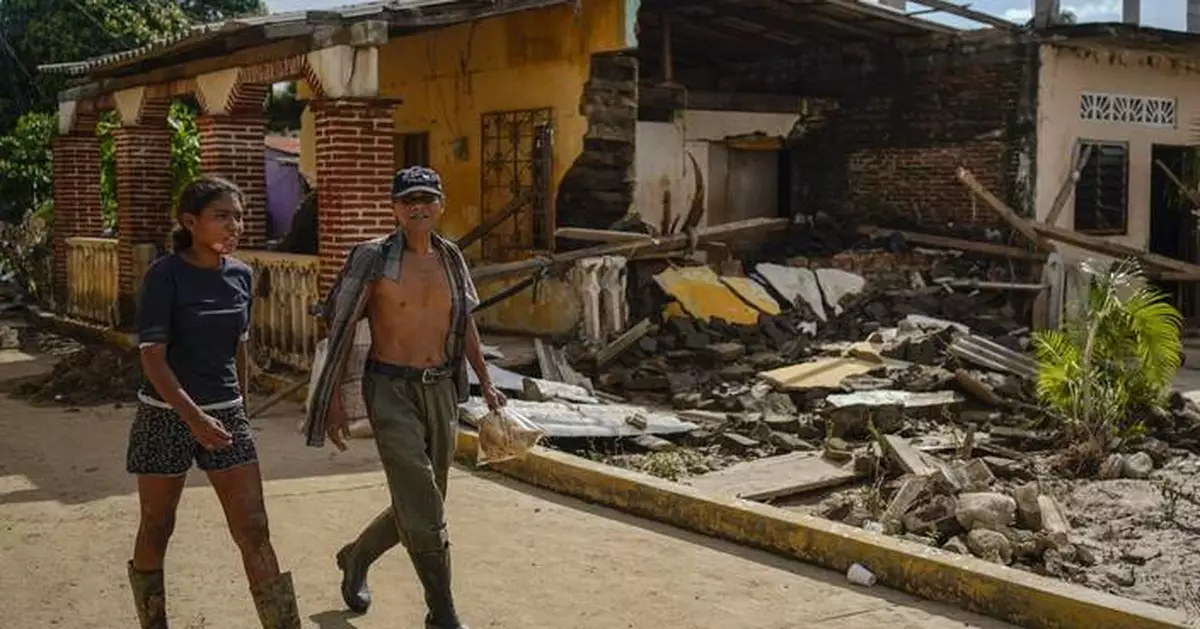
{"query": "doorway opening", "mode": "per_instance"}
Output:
(1172, 223)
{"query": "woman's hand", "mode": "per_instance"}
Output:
(209, 432)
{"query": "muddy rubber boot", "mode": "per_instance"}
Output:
(355, 592)
(149, 597)
(276, 603)
(433, 569)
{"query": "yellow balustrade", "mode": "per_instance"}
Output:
(285, 288)
(92, 279)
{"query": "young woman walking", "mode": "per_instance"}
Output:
(193, 318)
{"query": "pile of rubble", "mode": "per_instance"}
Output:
(901, 403)
(98, 374)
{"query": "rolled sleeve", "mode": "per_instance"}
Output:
(249, 307)
(155, 298)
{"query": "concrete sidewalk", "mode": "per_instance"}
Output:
(523, 558)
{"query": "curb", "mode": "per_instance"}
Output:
(1007, 594)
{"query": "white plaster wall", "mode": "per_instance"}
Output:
(662, 166)
(1065, 74)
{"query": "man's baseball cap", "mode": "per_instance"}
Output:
(416, 179)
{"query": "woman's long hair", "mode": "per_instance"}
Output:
(200, 193)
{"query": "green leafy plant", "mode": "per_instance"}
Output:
(25, 166)
(1112, 362)
(185, 147)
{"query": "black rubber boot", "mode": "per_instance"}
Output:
(433, 569)
(275, 601)
(149, 597)
(355, 592)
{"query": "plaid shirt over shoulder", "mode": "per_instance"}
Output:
(345, 304)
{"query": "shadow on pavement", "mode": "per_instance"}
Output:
(77, 455)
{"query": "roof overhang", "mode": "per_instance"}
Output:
(289, 33)
(1121, 35)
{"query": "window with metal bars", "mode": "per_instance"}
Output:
(1102, 192)
(516, 154)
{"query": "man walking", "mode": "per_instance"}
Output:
(415, 289)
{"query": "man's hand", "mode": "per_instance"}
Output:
(494, 398)
(209, 432)
(337, 426)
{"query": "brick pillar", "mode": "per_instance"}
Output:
(76, 198)
(354, 141)
(143, 197)
(232, 147)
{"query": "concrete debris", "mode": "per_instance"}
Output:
(990, 546)
(986, 510)
(1138, 465)
(837, 285)
(797, 285)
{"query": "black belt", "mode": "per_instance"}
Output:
(424, 375)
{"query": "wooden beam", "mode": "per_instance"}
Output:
(484, 228)
(1068, 186)
(985, 248)
(1117, 250)
(1192, 195)
(676, 242)
(600, 235)
(1001, 208)
(970, 14)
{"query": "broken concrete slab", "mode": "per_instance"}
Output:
(907, 400)
(798, 285)
(567, 419)
(538, 390)
(702, 295)
(971, 476)
(752, 293)
(910, 489)
(776, 477)
(837, 284)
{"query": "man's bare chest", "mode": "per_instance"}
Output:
(421, 285)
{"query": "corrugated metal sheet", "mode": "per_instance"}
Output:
(991, 355)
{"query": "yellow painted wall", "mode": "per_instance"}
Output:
(448, 78)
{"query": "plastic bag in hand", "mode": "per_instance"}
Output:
(505, 434)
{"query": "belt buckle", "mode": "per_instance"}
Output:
(429, 376)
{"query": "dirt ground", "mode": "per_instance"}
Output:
(524, 558)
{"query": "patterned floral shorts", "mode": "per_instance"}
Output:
(160, 443)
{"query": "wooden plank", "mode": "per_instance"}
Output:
(776, 477)
(1001, 208)
(600, 235)
(985, 248)
(623, 343)
(677, 242)
(1192, 195)
(1117, 250)
(970, 14)
(903, 454)
(485, 228)
(1064, 193)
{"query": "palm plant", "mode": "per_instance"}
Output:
(1113, 361)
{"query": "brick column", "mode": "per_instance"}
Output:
(143, 197)
(354, 141)
(76, 198)
(232, 147)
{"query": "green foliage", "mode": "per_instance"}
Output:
(185, 147)
(1112, 362)
(35, 32)
(108, 167)
(25, 167)
(25, 250)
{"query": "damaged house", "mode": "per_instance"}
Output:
(545, 116)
